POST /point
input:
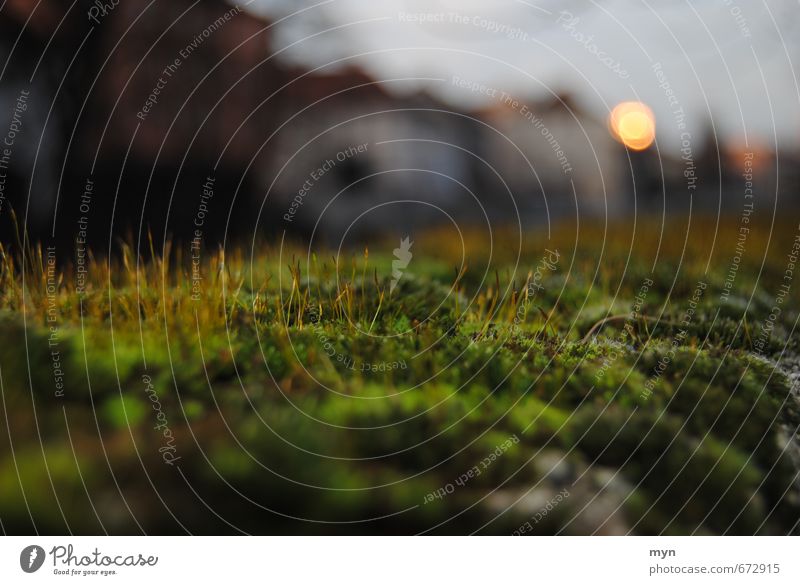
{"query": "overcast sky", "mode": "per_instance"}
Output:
(730, 60)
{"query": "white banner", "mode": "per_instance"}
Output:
(388, 560)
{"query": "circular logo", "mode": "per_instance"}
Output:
(31, 558)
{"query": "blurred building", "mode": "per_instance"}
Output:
(356, 157)
(36, 50)
(186, 97)
(144, 115)
(557, 158)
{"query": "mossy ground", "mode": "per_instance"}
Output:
(302, 394)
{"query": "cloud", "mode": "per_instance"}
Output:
(726, 62)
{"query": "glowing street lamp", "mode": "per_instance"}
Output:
(633, 124)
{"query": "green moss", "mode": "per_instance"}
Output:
(123, 411)
(315, 421)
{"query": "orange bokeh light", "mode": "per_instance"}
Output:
(633, 124)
